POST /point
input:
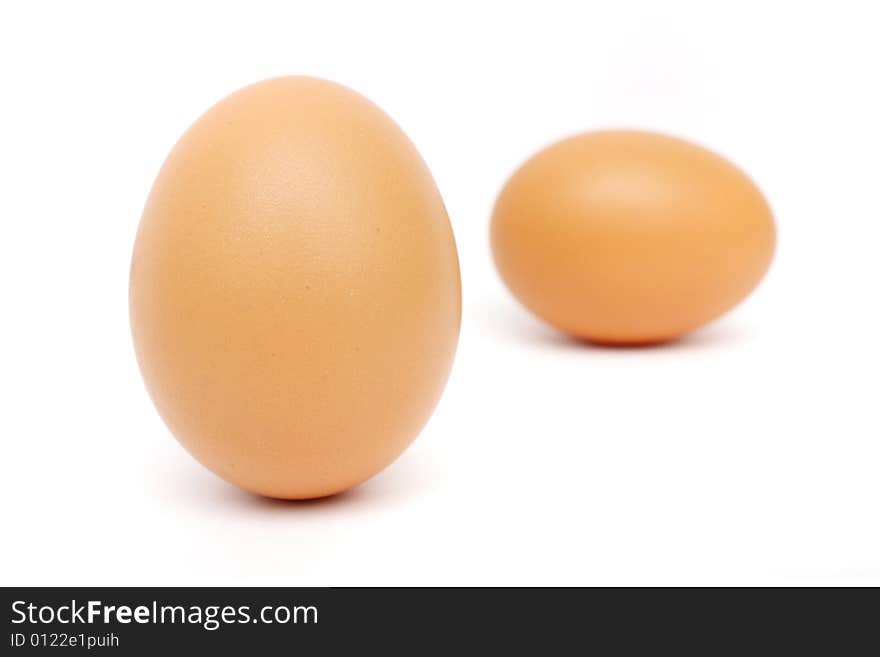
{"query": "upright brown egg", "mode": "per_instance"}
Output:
(627, 237)
(295, 295)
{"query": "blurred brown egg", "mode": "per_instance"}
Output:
(295, 295)
(627, 237)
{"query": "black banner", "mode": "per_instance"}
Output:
(139, 621)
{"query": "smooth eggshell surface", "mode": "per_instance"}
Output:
(627, 237)
(295, 296)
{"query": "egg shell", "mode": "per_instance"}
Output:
(295, 297)
(630, 237)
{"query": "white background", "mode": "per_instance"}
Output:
(746, 454)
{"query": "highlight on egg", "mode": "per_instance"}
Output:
(295, 297)
(630, 237)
